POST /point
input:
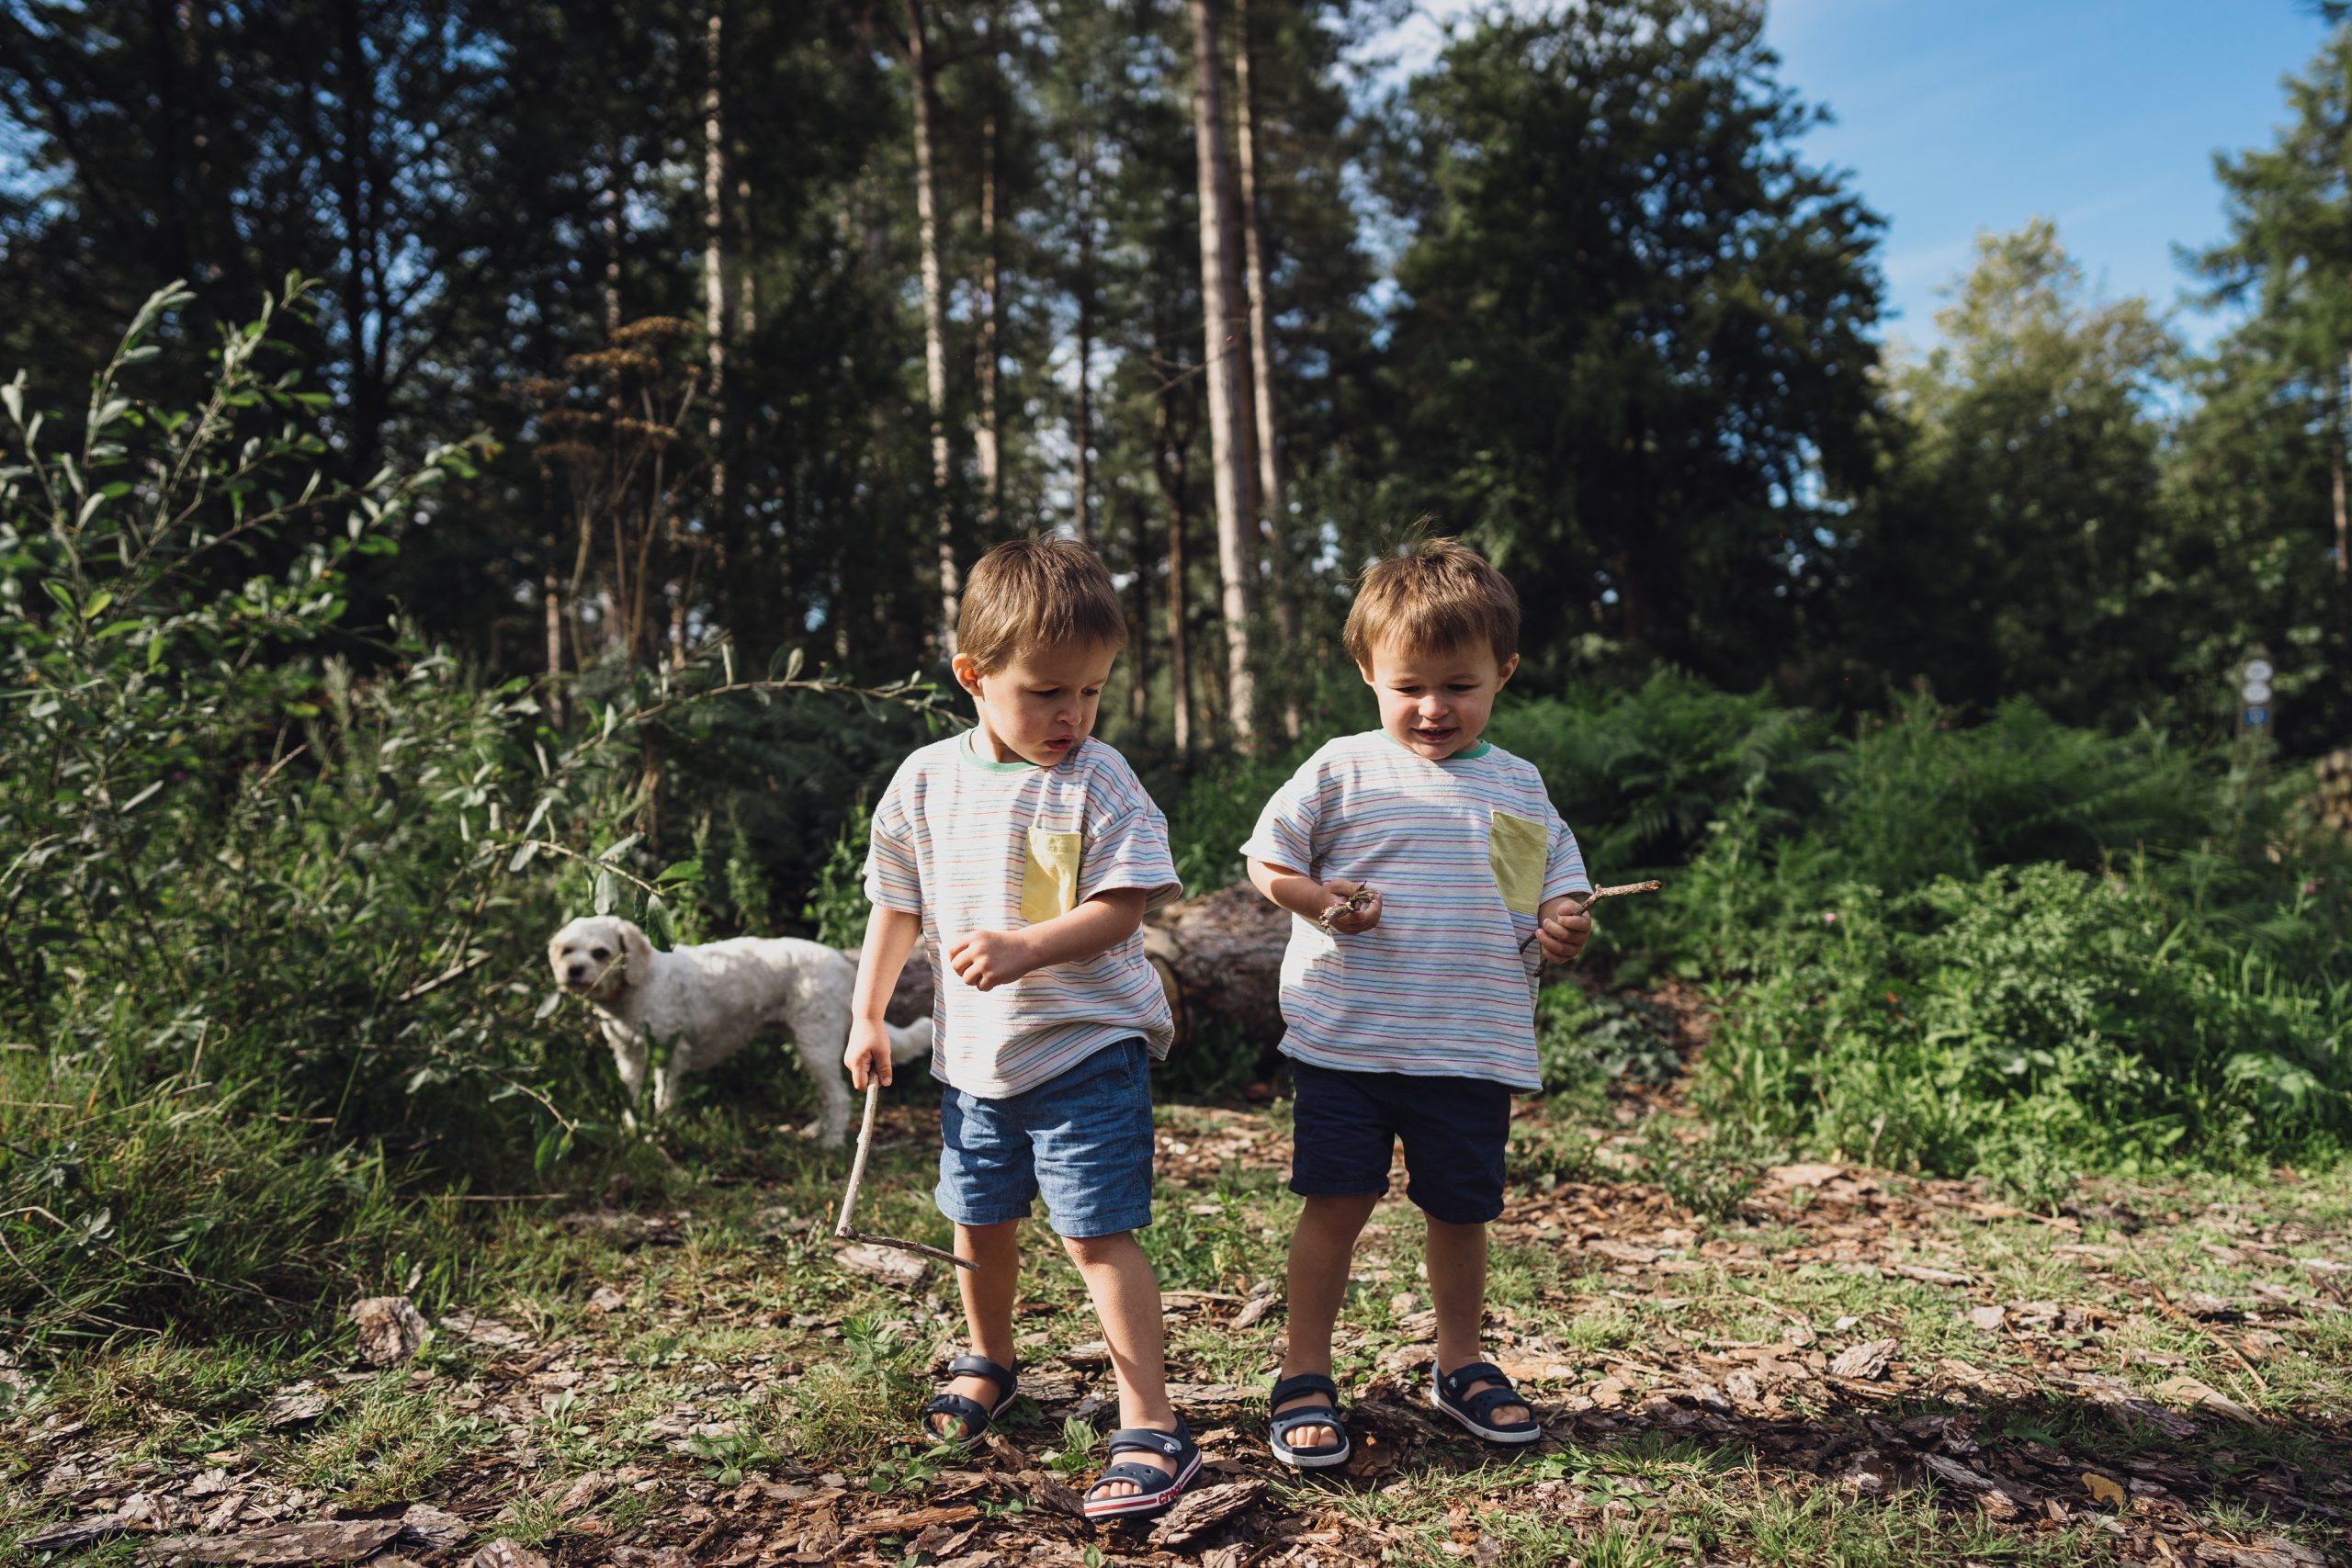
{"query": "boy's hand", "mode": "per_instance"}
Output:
(985, 960)
(868, 1054)
(1564, 928)
(1355, 921)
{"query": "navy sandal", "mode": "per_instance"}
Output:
(1448, 1392)
(1156, 1489)
(974, 1415)
(1322, 1456)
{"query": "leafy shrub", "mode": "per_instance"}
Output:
(2031, 1023)
(837, 907)
(1583, 1042)
(271, 922)
(1217, 808)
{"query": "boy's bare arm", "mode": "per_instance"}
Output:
(985, 960)
(1310, 899)
(890, 935)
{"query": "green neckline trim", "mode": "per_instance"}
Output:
(1472, 754)
(971, 750)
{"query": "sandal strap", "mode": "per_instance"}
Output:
(1462, 1376)
(1486, 1400)
(1303, 1382)
(974, 1415)
(1290, 1421)
(1147, 1478)
(1005, 1378)
(1149, 1440)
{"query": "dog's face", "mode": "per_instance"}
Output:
(591, 955)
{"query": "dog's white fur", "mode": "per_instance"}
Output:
(712, 1001)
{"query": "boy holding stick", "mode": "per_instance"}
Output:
(1425, 867)
(1024, 854)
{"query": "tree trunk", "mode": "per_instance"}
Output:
(1169, 446)
(551, 607)
(1081, 412)
(1225, 321)
(715, 311)
(612, 200)
(1139, 677)
(1262, 353)
(2335, 468)
(935, 321)
(989, 435)
(355, 175)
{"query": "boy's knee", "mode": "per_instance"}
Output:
(1093, 1251)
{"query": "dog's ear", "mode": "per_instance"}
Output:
(639, 951)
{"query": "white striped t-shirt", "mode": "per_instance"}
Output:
(971, 844)
(1461, 852)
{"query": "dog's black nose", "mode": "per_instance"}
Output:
(575, 971)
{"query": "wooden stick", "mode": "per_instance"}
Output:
(1595, 897)
(842, 1229)
(1597, 894)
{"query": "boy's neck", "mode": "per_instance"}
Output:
(987, 748)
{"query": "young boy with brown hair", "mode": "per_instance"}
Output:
(1023, 853)
(1425, 867)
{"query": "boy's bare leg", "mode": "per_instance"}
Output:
(1321, 1250)
(1126, 1297)
(988, 1289)
(1456, 1256)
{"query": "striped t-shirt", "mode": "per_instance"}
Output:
(1463, 853)
(971, 844)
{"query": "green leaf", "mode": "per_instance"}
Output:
(684, 871)
(523, 857)
(659, 924)
(609, 891)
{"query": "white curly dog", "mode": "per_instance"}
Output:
(709, 1001)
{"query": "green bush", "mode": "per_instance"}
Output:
(271, 923)
(2028, 1023)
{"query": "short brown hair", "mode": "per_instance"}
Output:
(1433, 595)
(1036, 593)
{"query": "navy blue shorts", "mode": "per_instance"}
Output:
(1346, 1125)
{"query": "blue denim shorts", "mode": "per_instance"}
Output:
(1081, 1140)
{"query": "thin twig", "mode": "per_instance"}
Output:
(424, 988)
(842, 1228)
(1595, 897)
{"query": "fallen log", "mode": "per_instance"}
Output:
(1219, 958)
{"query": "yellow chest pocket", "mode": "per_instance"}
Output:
(1049, 874)
(1519, 851)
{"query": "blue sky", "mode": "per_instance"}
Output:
(1956, 116)
(2102, 114)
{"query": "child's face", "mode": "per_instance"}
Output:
(1041, 702)
(1436, 703)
